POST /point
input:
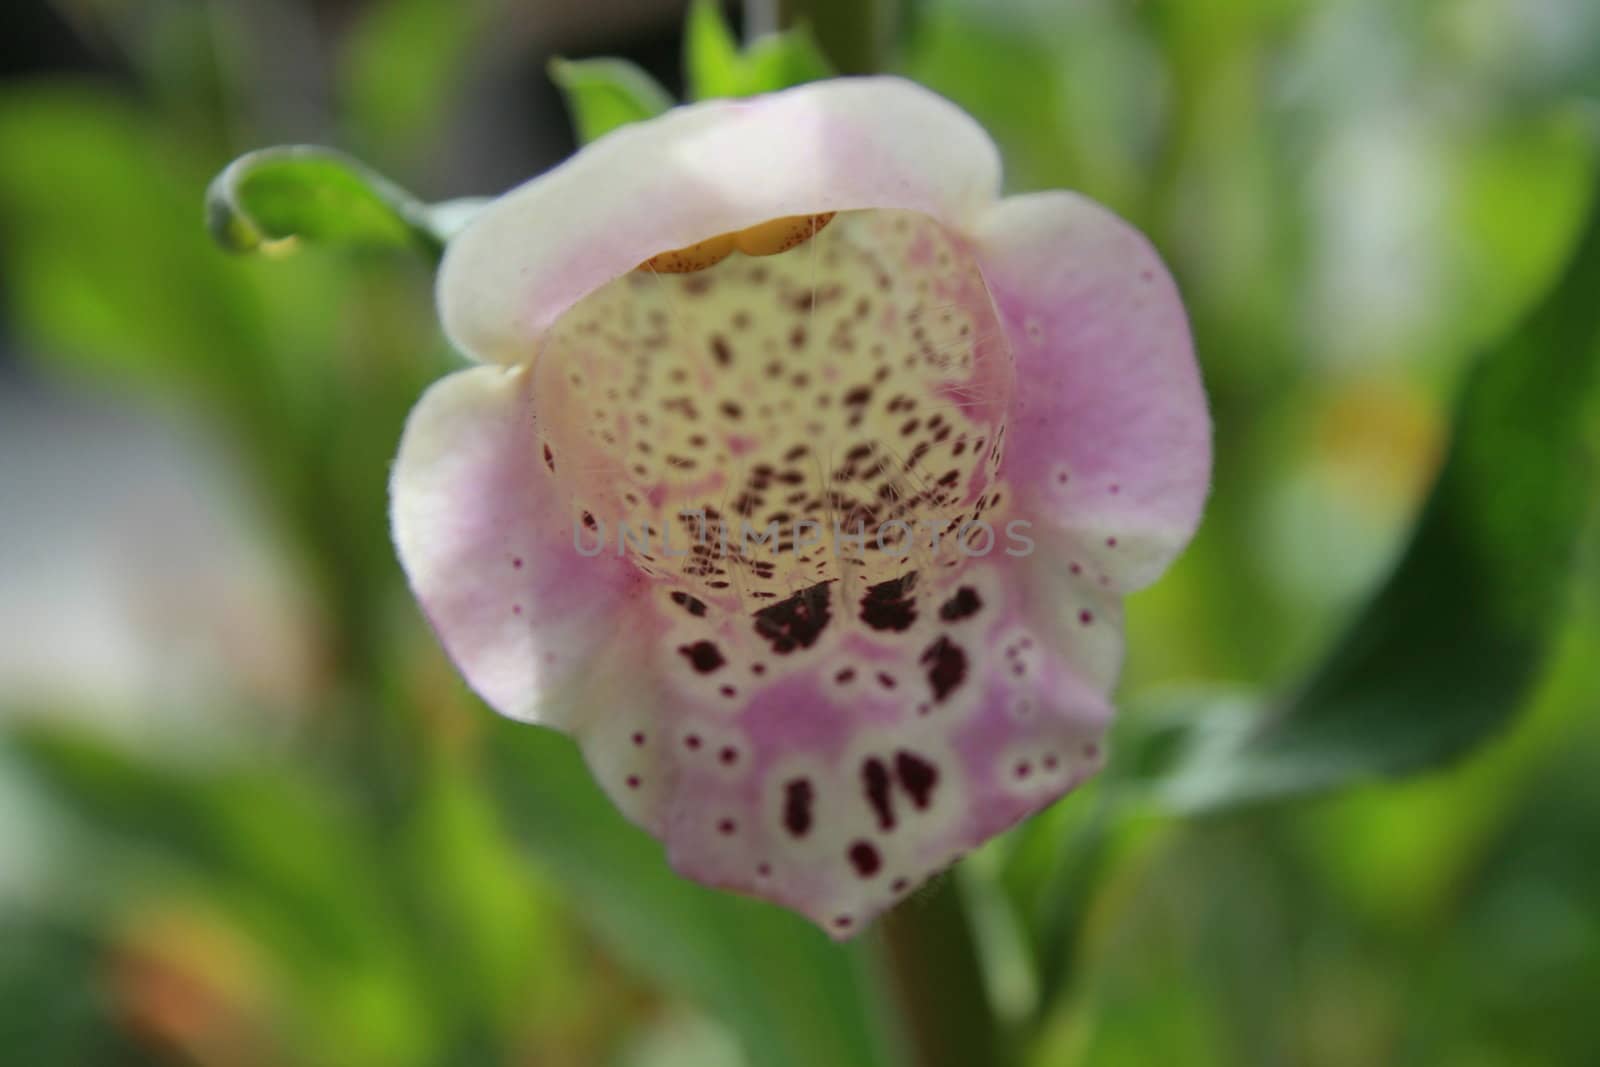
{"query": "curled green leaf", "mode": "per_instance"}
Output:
(302, 192)
(603, 94)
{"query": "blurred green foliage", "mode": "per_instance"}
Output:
(1371, 207)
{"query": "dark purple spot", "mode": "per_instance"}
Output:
(1050, 763)
(1111, 542)
(638, 739)
(1091, 751)
(549, 459)
(845, 676)
(899, 885)
(1023, 769)
(947, 666)
(865, 859)
(726, 827)
(890, 605)
(729, 756)
(1086, 617)
(633, 781)
(796, 622)
(797, 797)
(728, 691)
(1075, 568)
(516, 609)
(875, 777)
(692, 741)
(963, 605)
(704, 656)
(843, 922)
(886, 679)
(764, 870)
(917, 777)
(516, 562)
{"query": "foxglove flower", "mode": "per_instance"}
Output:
(801, 479)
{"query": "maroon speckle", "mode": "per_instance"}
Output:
(845, 676)
(797, 797)
(758, 668)
(1115, 489)
(963, 605)
(728, 691)
(899, 885)
(1062, 478)
(517, 562)
(843, 922)
(692, 741)
(796, 622)
(1091, 751)
(1050, 763)
(1075, 568)
(1086, 617)
(865, 859)
(875, 778)
(947, 666)
(764, 870)
(727, 827)
(729, 756)
(688, 603)
(917, 777)
(638, 738)
(886, 679)
(516, 609)
(704, 656)
(890, 605)
(549, 459)
(1111, 542)
(1023, 769)
(633, 781)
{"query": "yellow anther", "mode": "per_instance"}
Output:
(763, 239)
(780, 235)
(699, 256)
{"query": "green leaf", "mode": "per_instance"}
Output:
(603, 94)
(1446, 652)
(782, 60)
(711, 61)
(795, 998)
(716, 68)
(314, 194)
(286, 860)
(399, 120)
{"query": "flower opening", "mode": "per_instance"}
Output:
(814, 532)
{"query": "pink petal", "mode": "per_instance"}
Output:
(830, 754)
(697, 172)
(1109, 437)
(486, 539)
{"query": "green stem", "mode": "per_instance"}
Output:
(928, 964)
(855, 35)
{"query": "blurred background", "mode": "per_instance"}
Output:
(248, 814)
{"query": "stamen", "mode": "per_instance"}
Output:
(762, 239)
